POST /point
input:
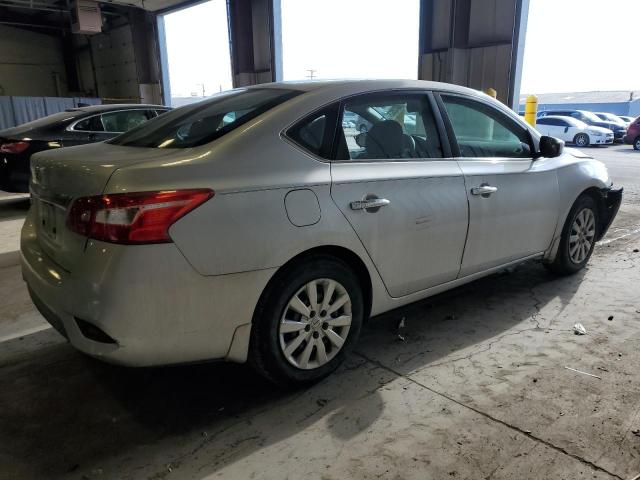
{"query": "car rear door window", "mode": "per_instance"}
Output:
(91, 124)
(389, 127)
(122, 121)
(484, 131)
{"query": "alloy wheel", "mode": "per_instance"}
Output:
(581, 140)
(315, 324)
(583, 232)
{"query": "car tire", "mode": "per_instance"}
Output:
(578, 237)
(636, 144)
(581, 140)
(290, 355)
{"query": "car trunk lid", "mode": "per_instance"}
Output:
(58, 177)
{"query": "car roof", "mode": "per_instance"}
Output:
(115, 106)
(365, 85)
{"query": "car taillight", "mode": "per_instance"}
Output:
(14, 147)
(133, 218)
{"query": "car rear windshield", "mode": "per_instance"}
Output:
(204, 121)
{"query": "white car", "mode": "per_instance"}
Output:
(574, 131)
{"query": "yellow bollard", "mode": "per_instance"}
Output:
(530, 110)
(491, 92)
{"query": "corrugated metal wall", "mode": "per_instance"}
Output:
(17, 110)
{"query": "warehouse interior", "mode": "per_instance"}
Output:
(152, 222)
(116, 51)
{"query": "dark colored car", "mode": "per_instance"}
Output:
(589, 118)
(75, 126)
(610, 117)
(633, 134)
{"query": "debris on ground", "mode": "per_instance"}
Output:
(400, 332)
(321, 402)
(583, 373)
(636, 432)
(579, 329)
(450, 317)
(635, 250)
(610, 317)
(604, 369)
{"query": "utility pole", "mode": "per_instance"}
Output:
(312, 72)
(202, 85)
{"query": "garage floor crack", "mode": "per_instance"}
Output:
(494, 419)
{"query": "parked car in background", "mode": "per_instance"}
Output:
(75, 126)
(589, 118)
(633, 134)
(272, 238)
(572, 130)
(628, 119)
(610, 117)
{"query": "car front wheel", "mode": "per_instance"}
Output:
(307, 321)
(578, 237)
(581, 140)
(636, 144)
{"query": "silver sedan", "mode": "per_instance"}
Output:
(259, 226)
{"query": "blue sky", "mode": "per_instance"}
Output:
(572, 45)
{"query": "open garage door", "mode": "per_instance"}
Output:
(195, 53)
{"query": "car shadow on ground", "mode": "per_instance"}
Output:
(62, 413)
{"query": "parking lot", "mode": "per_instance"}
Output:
(487, 381)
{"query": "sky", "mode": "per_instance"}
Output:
(581, 46)
(571, 45)
(350, 38)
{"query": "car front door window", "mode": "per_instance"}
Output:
(482, 131)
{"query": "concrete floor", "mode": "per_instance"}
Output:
(479, 389)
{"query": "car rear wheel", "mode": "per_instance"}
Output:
(581, 140)
(307, 321)
(578, 237)
(636, 144)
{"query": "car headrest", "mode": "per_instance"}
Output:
(384, 140)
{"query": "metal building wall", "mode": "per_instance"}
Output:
(475, 43)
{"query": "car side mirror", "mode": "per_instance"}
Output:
(361, 139)
(550, 147)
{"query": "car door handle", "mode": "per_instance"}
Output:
(484, 190)
(369, 203)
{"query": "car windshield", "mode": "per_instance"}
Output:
(591, 116)
(203, 122)
(574, 122)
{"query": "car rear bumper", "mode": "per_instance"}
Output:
(142, 305)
